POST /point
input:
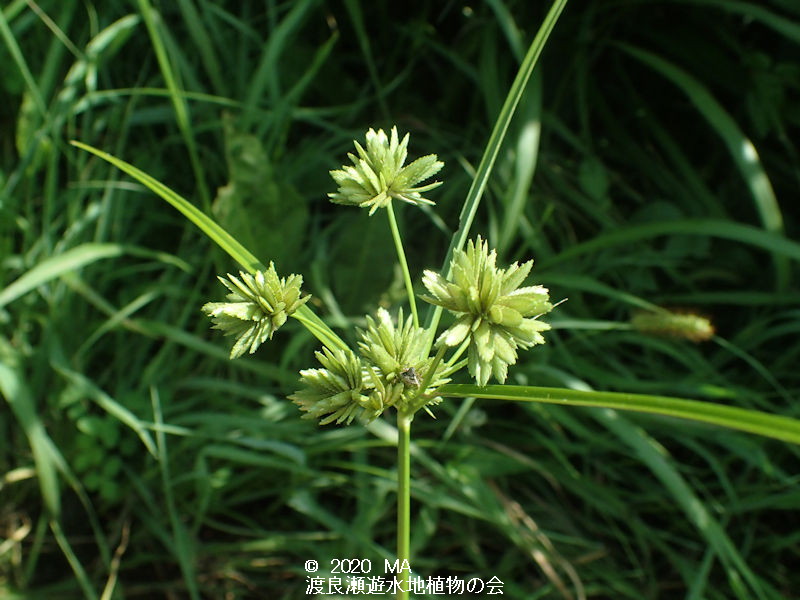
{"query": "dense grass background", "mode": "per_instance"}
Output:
(652, 160)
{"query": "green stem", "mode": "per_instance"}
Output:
(457, 354)
(419, 400)
(403, 500)
(401, 255)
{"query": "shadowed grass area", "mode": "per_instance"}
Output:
(651, 162)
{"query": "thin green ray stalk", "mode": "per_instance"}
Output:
(403, 500)
(401, 255)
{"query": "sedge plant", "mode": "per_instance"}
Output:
(403, 365)
(397, 366)
(400, 366)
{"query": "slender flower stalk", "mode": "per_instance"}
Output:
(401, 256)
(404, 420)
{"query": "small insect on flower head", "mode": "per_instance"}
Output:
(410, 377)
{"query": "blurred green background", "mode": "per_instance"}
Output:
(653, 159)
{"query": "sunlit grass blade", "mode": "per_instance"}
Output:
(22, 406)
(527, 155)
(58, 265)
(658, 461)
(49, 462)
(221, 237)
(155, 26)
(752, 421)
(493, 148)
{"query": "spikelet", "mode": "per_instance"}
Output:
(675, 323)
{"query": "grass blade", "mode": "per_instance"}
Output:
(21, 402)
(658, 461)
(16, 54)
(182, 544)
(739, 145)
(221, 237)
(152, 19)
(738, 232)
(752, 421)
(493, 147)
(55, 266)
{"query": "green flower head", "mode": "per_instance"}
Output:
(335, 390)
(390, 371)
(256, 307)
(378, 174)
(492, 310)
(398, 361)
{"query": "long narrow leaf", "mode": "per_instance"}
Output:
(738, 232)
(739, 145)
(697, 511)
(751, 421)
(493, 147)
(55, 266)
(221, 237)
(19, 398)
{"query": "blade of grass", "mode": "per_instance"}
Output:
(152, 21)
(739, 145)
(19, 398)
(106, 402)
(204, 44)
(527, 154)
(493, 148)
(55, 266)
(752, 11)
(265, 81)
(221, 237)
(773, 426)
(738, 232)
(16, 54)
(357, 19)
(658, 461)
(180, 540)
(74, 561)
